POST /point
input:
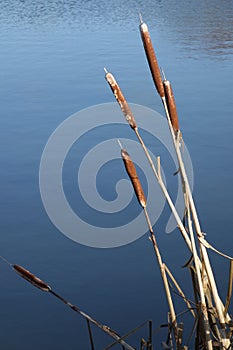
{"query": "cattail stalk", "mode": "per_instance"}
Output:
(90, 335)
(176, 141)
(218, 303)
(165, 192)
(158, 177)
(162, 269)
(205, 321)
(229, 291)
(181, 293)
(132, 173)
(104, 328)
(164, 189)
(37, 282)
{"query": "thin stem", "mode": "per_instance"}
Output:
(165, 192)
(134, 330)
(205, 320)
(163, 273)
(90, 335)
(176, 142)
(217, 300)
(229, 291)
(104, 328)
(181, 293)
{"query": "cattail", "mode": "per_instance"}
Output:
(171, 105)
(130, 168)
(120, 99)
(151, 58)
(35, 281)
(27, 275)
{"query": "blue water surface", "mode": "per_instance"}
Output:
(51, 66)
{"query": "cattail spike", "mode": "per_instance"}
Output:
(151, 58)
(131, 170)
(35, 281)
(106, 71)
(121, 100)
(171, 105)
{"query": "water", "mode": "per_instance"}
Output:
(52, 59)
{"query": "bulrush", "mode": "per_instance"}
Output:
(120, 99)
(171, 115)
(171, 105)
(151, 58)
(35, 281)
(131, 170)
(27, 275)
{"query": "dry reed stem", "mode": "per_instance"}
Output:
(173, 209)
(208, 269)
(134, 330)
(179, 290)
(165, 192)
(104, 328)
(205, 319)
(162, 267)
(218, 302)
(188, 193)
(209, 246)
(35, 281)
(90, 335)
(130, 168)
(163, 275)
(229, 291)
(160, 181)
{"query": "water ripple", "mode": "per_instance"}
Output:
(198, 27)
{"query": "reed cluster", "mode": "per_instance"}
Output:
(212, 322)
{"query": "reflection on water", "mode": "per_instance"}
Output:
(202, 27)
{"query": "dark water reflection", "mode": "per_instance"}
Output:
(51, 65)
(205, 27)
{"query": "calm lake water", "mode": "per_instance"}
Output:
(52, 59)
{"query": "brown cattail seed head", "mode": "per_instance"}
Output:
(27, 275)
(171, 105)
(130, 168)
(152, 60)
(121, 100)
